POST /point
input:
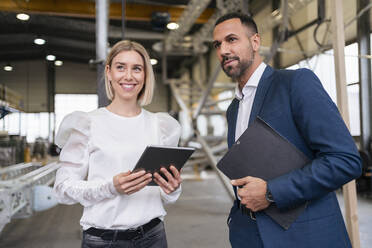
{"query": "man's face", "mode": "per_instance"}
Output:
(234, 47)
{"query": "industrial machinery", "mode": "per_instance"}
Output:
(24, 188)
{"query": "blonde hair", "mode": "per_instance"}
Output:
(145, 96)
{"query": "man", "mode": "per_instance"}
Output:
(295, 104)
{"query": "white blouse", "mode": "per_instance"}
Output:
(98, 145)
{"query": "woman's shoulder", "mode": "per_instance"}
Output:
(168, 127)
(77, 119)
(163, 117)
(75, 122)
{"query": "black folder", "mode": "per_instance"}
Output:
(156, 157)
(262, 152)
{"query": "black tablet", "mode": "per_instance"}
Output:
(156, 157)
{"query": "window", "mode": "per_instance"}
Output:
(323, 66)
(68, 103)
(35, 125)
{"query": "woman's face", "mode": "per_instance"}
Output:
(127, 75)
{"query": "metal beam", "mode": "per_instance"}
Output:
(207, 91)
(213, 161)
(276, 17)
(365, 90)
(80, 8)
(102, 10)
(51, 87)
(186, 20)
(282, 33)
(27, 39)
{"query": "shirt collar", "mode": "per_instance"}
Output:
(252, 81)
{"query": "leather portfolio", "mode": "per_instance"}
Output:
(262, 152)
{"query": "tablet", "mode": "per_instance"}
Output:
(156, 157)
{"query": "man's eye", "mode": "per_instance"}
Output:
(231, 39)
(217, 45)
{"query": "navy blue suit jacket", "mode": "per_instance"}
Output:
(296, 105)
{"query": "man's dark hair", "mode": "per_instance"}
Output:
(245, 19)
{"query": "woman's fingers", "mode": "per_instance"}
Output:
(162, 182)
(174, 178)
(131, 182)
(132, 176)
(175, 172)
(165, 189)
(137, 187)
(136, 181)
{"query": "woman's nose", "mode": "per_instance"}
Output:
(128, 75)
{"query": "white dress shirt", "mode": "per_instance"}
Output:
(98, 145)
(246, 98)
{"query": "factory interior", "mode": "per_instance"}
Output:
(52, 61)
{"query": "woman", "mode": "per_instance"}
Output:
(100, 148)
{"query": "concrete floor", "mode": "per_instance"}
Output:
(197, 220)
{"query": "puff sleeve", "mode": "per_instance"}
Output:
(170, 132)
(71, 186)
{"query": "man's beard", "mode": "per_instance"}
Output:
(239, 70)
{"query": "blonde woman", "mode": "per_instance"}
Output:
(100, 148)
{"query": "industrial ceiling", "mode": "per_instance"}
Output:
(69, 28)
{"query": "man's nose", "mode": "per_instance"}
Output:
(224, 49)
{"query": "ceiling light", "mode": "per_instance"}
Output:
(172, 25)
(153, 61)
(8, 67)
(50, 57)
(39, 41)
(58, 63)
(23, 17)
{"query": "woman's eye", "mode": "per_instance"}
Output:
(137, 69)
(120, 67)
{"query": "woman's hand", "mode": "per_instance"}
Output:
(174, 179)
(131, 182)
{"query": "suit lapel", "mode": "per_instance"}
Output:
(262, 89)
(232, 115)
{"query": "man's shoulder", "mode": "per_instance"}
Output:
(290, 76)
(291, 72)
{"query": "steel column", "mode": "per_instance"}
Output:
(102, 12)
(364, 46)
(51, 85)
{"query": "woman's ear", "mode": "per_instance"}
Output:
(108, 70)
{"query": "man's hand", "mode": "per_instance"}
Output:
(131, 182)
(174, 179)
(253, 192)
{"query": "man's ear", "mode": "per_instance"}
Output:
(256, 42)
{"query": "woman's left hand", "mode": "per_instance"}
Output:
(173, 176)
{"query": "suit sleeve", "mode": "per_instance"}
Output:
(336, 158)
